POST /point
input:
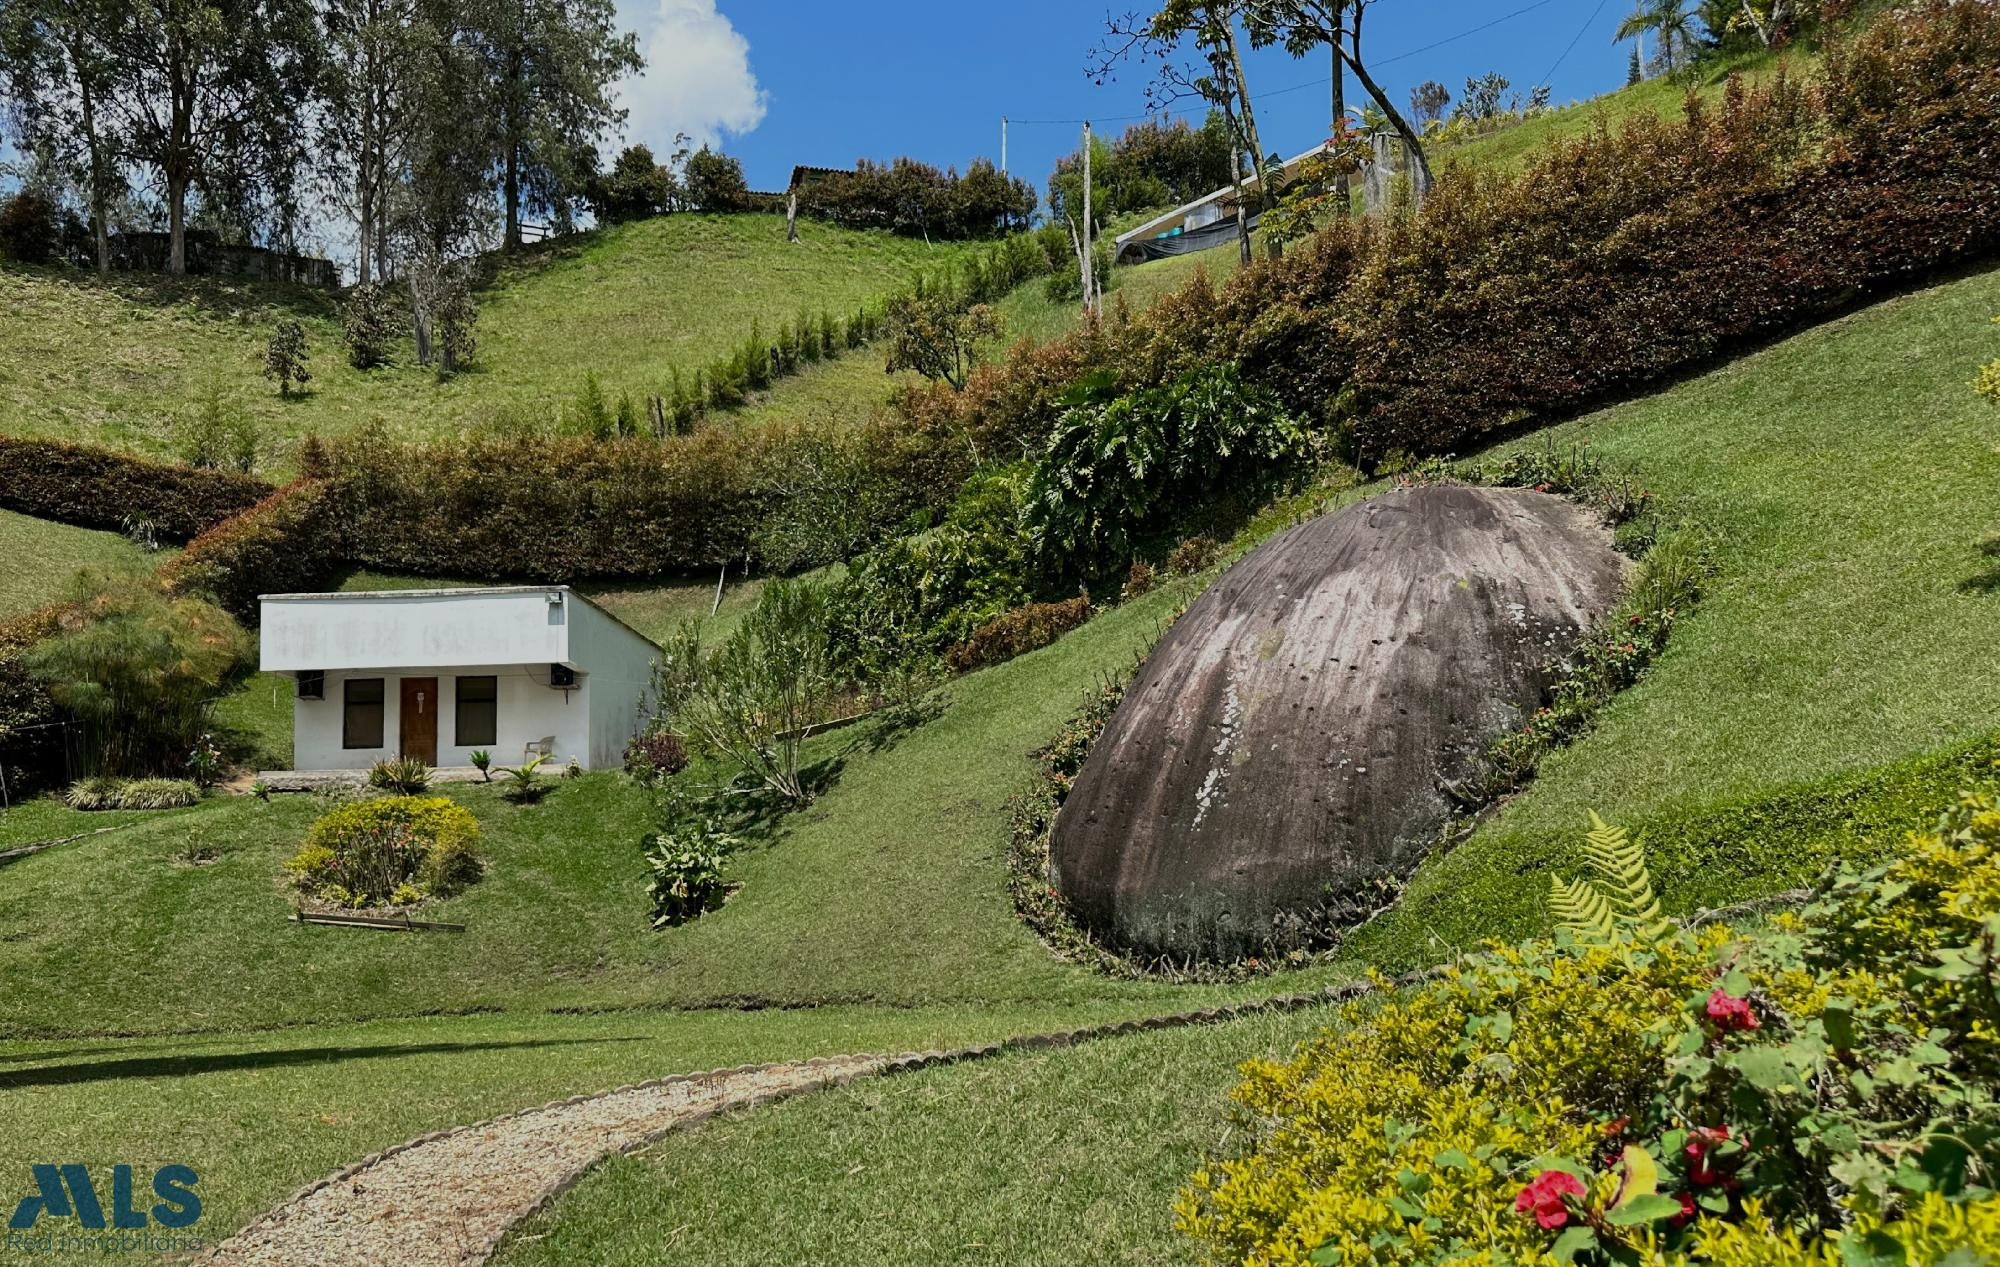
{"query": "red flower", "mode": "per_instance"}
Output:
(1701, 1166)
(1729, 1012)
(1687, 1210)
(1544, 1197)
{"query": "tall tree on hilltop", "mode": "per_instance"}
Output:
(59, 78)
(212, 94)
(1303, 25)
(1215, 76)
(551, 65)
(1673, 22)
(372, 111)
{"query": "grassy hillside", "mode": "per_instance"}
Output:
(1657, 96)
(1853, 624)
(119, 360)
(1039, 1159)
(898, 862)
(37, 559)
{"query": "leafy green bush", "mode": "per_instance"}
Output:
(1115, 469)
(1193, 555)
(1821, 1094)
(654, 755)
(907, 601)
(368, 324)
(98, 488)
(684, 864)
(752, 698)
(285, 358)
(218, 433)
(100, 793)
(94, 793)
(388, 852)
(1017, 632)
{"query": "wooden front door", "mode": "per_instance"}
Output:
(420, 719)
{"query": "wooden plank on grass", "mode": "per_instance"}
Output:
(391, 923)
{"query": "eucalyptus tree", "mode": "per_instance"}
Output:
(212, 96)
(371, 110)
(59, 78)
(551, 67)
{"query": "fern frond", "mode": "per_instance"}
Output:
(1620, 865)
(1580, 908)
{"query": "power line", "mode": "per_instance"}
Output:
(1587, 22)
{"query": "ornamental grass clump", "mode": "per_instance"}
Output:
(1633, 1092)
(396, 851)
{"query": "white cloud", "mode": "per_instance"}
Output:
(697, 78)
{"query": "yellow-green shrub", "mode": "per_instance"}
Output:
(372, 852)
(1937, 898)
(1822, 1093)
(1442, 1100)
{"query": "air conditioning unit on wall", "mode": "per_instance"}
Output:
(562, 677)
(312, 684)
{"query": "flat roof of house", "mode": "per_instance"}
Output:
(464, 591)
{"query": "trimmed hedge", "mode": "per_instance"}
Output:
(294, 540)
(1610, 262)
(91, 487)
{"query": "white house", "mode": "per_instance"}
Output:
(439, 674)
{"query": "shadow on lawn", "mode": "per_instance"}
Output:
(1986, 581)
(226, 1062)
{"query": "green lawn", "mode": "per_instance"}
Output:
(38, 558)
(118, 361)
(1043, 1158)
(896, 865)
(1850, 473)
(259, 1115)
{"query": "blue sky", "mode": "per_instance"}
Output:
(780, 82)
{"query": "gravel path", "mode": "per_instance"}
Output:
(445, 1200)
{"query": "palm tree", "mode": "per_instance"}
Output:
(1673, 21)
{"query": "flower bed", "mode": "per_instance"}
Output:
(396, 851)
(1821, 1094)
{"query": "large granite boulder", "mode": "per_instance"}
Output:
(1279, 763)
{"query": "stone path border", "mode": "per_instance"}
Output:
(448, 1198)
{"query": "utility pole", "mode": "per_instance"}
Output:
(1089, 235)
(1003, 145)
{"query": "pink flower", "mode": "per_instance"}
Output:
(1730, 1013)
(1701, 1166)
(1544, 1197)
(1687, 1210)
